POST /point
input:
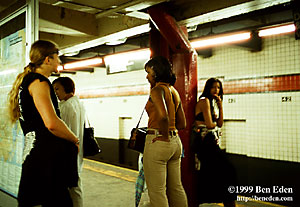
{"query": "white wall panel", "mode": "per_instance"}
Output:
(104, 114)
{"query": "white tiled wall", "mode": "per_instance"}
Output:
(259, 124)
(104, 114)
(99, 79)
(280, 55)
(270, 126)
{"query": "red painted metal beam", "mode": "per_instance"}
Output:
(185, 68)
(158, 44)
(170, 30)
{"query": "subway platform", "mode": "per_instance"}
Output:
(111, 186)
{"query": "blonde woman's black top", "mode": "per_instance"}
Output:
(49, 162)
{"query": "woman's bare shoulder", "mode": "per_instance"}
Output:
(202, 103)
(156, 92)
(203, 100)
(175, 92)
(157, 89)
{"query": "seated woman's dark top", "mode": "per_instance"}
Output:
(199, 117)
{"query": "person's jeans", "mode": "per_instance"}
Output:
(162, 172)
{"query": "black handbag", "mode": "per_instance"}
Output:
(138, 137)
(90, 144)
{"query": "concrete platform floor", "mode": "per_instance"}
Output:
(111, 186)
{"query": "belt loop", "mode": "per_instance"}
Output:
(155, 132)
(173, 133)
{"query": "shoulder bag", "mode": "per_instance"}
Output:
(138, 137)
(90, 144)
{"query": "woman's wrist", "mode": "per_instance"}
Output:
(76, 142)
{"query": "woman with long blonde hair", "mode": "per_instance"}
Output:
(50, 149)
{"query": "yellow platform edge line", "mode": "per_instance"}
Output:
(112, 174)
(109, 165)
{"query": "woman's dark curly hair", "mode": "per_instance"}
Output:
(163, 69)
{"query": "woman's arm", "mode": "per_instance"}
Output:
(205, 108)
(180, 116)
(220, 106)
(40, 93)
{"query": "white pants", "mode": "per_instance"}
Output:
(77, 194)
(162, 168)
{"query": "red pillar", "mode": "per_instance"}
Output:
(170, 41)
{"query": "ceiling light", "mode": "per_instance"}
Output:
(83, 63)
(202, 43)
(277, 30)
(137, 54)
(127, 61)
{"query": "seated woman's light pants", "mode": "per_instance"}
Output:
(162, 162)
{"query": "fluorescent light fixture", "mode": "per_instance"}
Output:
(218, 40)
(127, 61)
(277, 30)
(124, 57)
(6, 72)
(237, 37)
(83, 63)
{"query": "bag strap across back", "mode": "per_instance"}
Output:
(137, 126)
(173, 98)
(87, 119)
